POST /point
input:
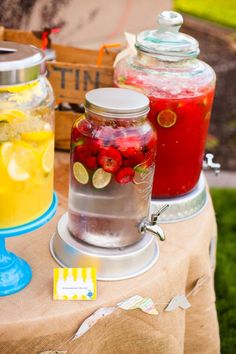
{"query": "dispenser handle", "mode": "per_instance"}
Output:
(209, 163)
(151, 226)
(154, 217)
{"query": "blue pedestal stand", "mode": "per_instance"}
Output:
(15, 273)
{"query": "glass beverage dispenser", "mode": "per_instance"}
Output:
(112, 166)
(26, 135)
(180, 89)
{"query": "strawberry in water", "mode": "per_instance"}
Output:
(125, 175)
(110, 159)
(128, 146)
(94, 145)
(84, 127)
(91, 162)
(134, 160)
(75, 134)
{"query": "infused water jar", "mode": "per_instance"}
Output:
(180, 89)
(112, 166)
(26, 135)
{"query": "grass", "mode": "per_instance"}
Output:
(225, 280)
(220, 11)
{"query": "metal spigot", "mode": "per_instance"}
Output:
(208, 163)
(152, 227)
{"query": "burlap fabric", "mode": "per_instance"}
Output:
(31, 321)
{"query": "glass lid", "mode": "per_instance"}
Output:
(167, 42)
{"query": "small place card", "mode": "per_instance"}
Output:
(74, 284)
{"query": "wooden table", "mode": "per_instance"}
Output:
(30, 321)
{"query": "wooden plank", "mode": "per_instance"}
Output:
(2, 30)
(64, 53)
(19, 36)
(71, 81)
(63, 125)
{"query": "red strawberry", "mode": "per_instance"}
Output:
(75, 134)
(91, 162)
(128, 145)
(134, 160)
(94, 145)
(125, 175)
(149, 157)
(81, 153)
(150, 141)
(84, 127)
(110, 159)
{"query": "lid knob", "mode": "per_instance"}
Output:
(169, 21)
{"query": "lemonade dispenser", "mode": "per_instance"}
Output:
(26, 135)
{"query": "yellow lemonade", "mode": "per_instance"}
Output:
(26, 168)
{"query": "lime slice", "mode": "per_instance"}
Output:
(16, 172)
(166, 118)
(48, 157)
(37, 136)
(101, 178)
(80, 173)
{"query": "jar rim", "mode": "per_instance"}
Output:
(20, 63)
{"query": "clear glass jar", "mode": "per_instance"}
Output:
(180, 89)
(112, 166)
(26, 135)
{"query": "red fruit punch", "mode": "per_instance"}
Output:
(181, 142)
(110, 159)
(125, 175)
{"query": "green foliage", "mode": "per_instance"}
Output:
(225, 280)
(220, 11)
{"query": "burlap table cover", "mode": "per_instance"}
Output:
(31, 321)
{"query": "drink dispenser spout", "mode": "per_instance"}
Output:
(209, 163)
(152, 227)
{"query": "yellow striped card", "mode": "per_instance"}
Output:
(75, 284)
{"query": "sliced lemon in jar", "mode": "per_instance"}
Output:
(37, 136)
(101, 178)
(16, 172)
(166, 118)
(48, 157)
(12, 115)
(80, 173)
(6, 152)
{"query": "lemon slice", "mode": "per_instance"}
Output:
(16, 172)
(12, 115)
(18, 88)
(37, 136)
(48, 157)
(101, 178)
(6, 151)
(80, 173)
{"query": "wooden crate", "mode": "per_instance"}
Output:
(72, 74)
